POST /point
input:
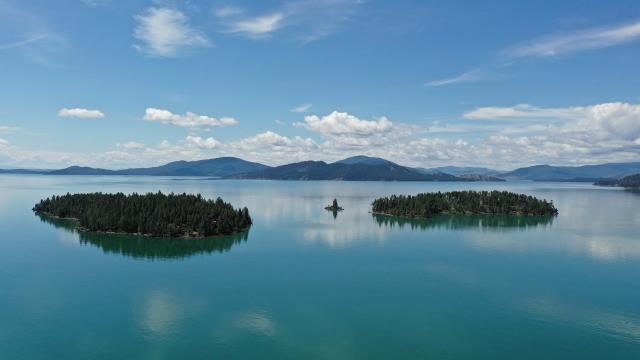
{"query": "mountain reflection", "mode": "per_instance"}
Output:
(465, 222)
(143, 247)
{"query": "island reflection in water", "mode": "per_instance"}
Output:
(467, 222)
(143, 247)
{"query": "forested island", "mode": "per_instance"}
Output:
(152, 214)
(426, 205)
(631, 181)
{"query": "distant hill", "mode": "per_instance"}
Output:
(82, 170)
(479, 177)
(23, 171)
(459, 170)
(362, 169)
(361, 159)
(573, 173)
(631, 181)
(218, 167)
(222, 166)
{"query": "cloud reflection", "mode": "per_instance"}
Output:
(160, 314)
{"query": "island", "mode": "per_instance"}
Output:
(151, 214)
(334, 206)
(631, 182)
(426, 205)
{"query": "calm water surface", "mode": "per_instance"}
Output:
(305, 285)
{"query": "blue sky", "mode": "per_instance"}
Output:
(425, 83)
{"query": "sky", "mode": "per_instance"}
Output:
(117, 84)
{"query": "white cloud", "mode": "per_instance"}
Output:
(342, 123)
(80, 113)
(302, 108)
(559, 44)
(131, 145)
(608, 132)
(187, 120)
(469, 76)
(611, 120)
(166, 32)
(208, 143)
(257, 27)
(269, 139)
(307, 20)
(520, 111)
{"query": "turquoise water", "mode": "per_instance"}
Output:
(302, 284)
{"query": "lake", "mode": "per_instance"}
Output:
(303, 284)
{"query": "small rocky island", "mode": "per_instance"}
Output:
(334, 206)
(152, 214)
(426, 205)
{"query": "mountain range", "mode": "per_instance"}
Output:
(354, 168)
(218, 167)
(358, 168)
(574, 173)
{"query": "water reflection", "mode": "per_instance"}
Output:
(459, 222)
(145, 247)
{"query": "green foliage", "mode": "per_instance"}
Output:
(427, 205)
(151, 214)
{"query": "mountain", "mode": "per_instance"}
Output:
(369, 170)
(361, 159)
(573, 173)
(631, 181)
(218, 167)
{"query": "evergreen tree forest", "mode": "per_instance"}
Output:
(426, 205)
(152, 214)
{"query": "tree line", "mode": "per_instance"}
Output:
(153, 214)
(426, 205)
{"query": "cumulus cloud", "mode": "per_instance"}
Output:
(208, 143)
(608, 132)
(342, 123)
(189, 119)
(302, 108)
(468, 76)
(613, 120)
(559, 44)
(166, 32)
(80, 113)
